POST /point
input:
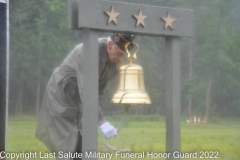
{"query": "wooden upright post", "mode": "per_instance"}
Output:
(3, 72)
(90, 93)
(173, 96)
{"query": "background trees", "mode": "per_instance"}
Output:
(40, 39)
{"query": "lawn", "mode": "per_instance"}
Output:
(145, 137)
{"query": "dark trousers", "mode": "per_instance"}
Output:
(79, 146)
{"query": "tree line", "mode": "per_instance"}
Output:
(210, 61)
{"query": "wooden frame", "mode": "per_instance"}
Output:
(109, 16)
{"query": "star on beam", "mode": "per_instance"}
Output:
(168, 21)
(140, 18)
(112, 16)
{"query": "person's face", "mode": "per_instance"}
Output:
(115, 54)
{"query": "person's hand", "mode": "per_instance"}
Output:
(108, 130)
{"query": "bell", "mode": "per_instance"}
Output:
(131, 88)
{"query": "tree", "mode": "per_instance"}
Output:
(39, 41)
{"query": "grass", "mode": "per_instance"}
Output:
(142, 134)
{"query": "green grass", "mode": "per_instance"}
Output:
(142, 134)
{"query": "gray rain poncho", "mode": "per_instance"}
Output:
(60, 115)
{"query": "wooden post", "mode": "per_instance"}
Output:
(3, 73)
(173, 93)
(90, 93)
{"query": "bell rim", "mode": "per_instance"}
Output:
(142, 98)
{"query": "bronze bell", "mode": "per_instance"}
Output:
(131, 88)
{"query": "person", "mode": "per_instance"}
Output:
(59, 122)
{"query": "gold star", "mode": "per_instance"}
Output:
(112, 16)
(140, 18)
(168, 21)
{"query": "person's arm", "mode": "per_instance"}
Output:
(106, 128)
(101, 121)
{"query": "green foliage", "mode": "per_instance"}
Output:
(40, 40)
